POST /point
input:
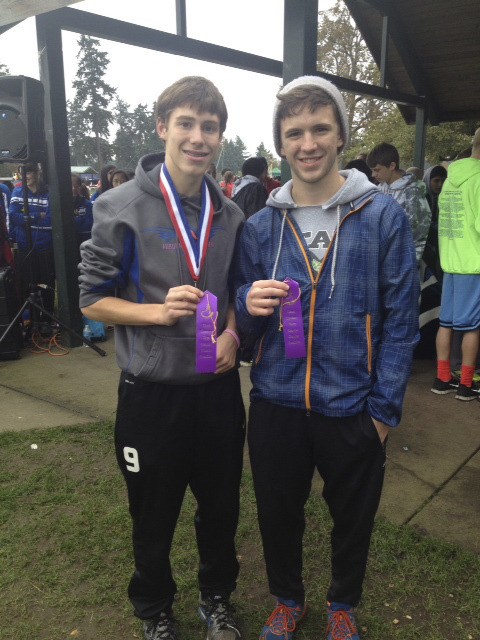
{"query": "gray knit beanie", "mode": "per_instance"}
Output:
(329, 88)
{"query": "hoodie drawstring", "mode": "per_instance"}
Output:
(335, 250)
(285, 211)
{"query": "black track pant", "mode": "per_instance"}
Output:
(285, 447)
(168, 437)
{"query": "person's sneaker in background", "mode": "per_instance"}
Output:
(441, 388)
(467, 393)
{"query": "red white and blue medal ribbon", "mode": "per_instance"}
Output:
(195, 250)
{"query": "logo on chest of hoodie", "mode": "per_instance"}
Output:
(321, 240)
(169, 239)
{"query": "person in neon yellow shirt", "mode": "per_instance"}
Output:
(459, 242)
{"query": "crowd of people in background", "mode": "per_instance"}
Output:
(26, 241)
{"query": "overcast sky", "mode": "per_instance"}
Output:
(139, 75)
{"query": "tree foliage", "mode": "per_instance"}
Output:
(90, 115)
(273, 163)
(342, 51)
(233, 154)
(135, 136)
(443, 142)
(4, 70)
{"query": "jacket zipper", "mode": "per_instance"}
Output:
(368, 322)
(313, 299)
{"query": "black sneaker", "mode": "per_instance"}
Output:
(160, 628)
(441, 387)
(217, 613)
(467, 393)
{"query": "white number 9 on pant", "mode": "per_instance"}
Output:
(131, 457)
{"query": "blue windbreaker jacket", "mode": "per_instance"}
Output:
(41, 225)
(360, 336)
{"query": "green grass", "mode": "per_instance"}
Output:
(65, 556)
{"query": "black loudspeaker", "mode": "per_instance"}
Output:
(12, 343)
(22, 126)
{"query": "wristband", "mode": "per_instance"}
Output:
(234, 336)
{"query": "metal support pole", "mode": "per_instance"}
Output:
(181, 14)
(300, 38)
(299, 46)
(384, 52)
(65, 250)
(420, 137)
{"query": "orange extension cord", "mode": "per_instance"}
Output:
(50, 345)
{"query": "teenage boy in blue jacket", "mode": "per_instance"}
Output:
(332, 356)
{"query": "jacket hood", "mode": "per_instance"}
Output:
(403, 182)
(356, 187)
(426, 182)
(462, 170)
(147, 175)
(243, 183)
(437, 170)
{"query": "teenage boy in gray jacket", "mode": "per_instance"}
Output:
(158, 266)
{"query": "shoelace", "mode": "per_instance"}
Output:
(163, 628)
(221, 615)
(282, 620)
(341, 626)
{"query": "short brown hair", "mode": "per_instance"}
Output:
(196, 93)
(384, 154)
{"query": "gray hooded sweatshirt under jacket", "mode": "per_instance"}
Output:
(325, 217)
(134, 253)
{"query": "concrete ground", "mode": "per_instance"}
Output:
(433, 471)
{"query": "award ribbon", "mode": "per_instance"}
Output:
(206, 347)
(292, 321)
(194, 249)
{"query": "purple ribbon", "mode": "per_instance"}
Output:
(206, 333)
(291, 310)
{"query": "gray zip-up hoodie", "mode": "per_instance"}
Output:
(134, 253)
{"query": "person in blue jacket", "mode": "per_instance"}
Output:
(331, 358)
(35, 262)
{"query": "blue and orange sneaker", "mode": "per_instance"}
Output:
(282, 623)
(341, 622)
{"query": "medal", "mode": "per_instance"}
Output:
(195, 249)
